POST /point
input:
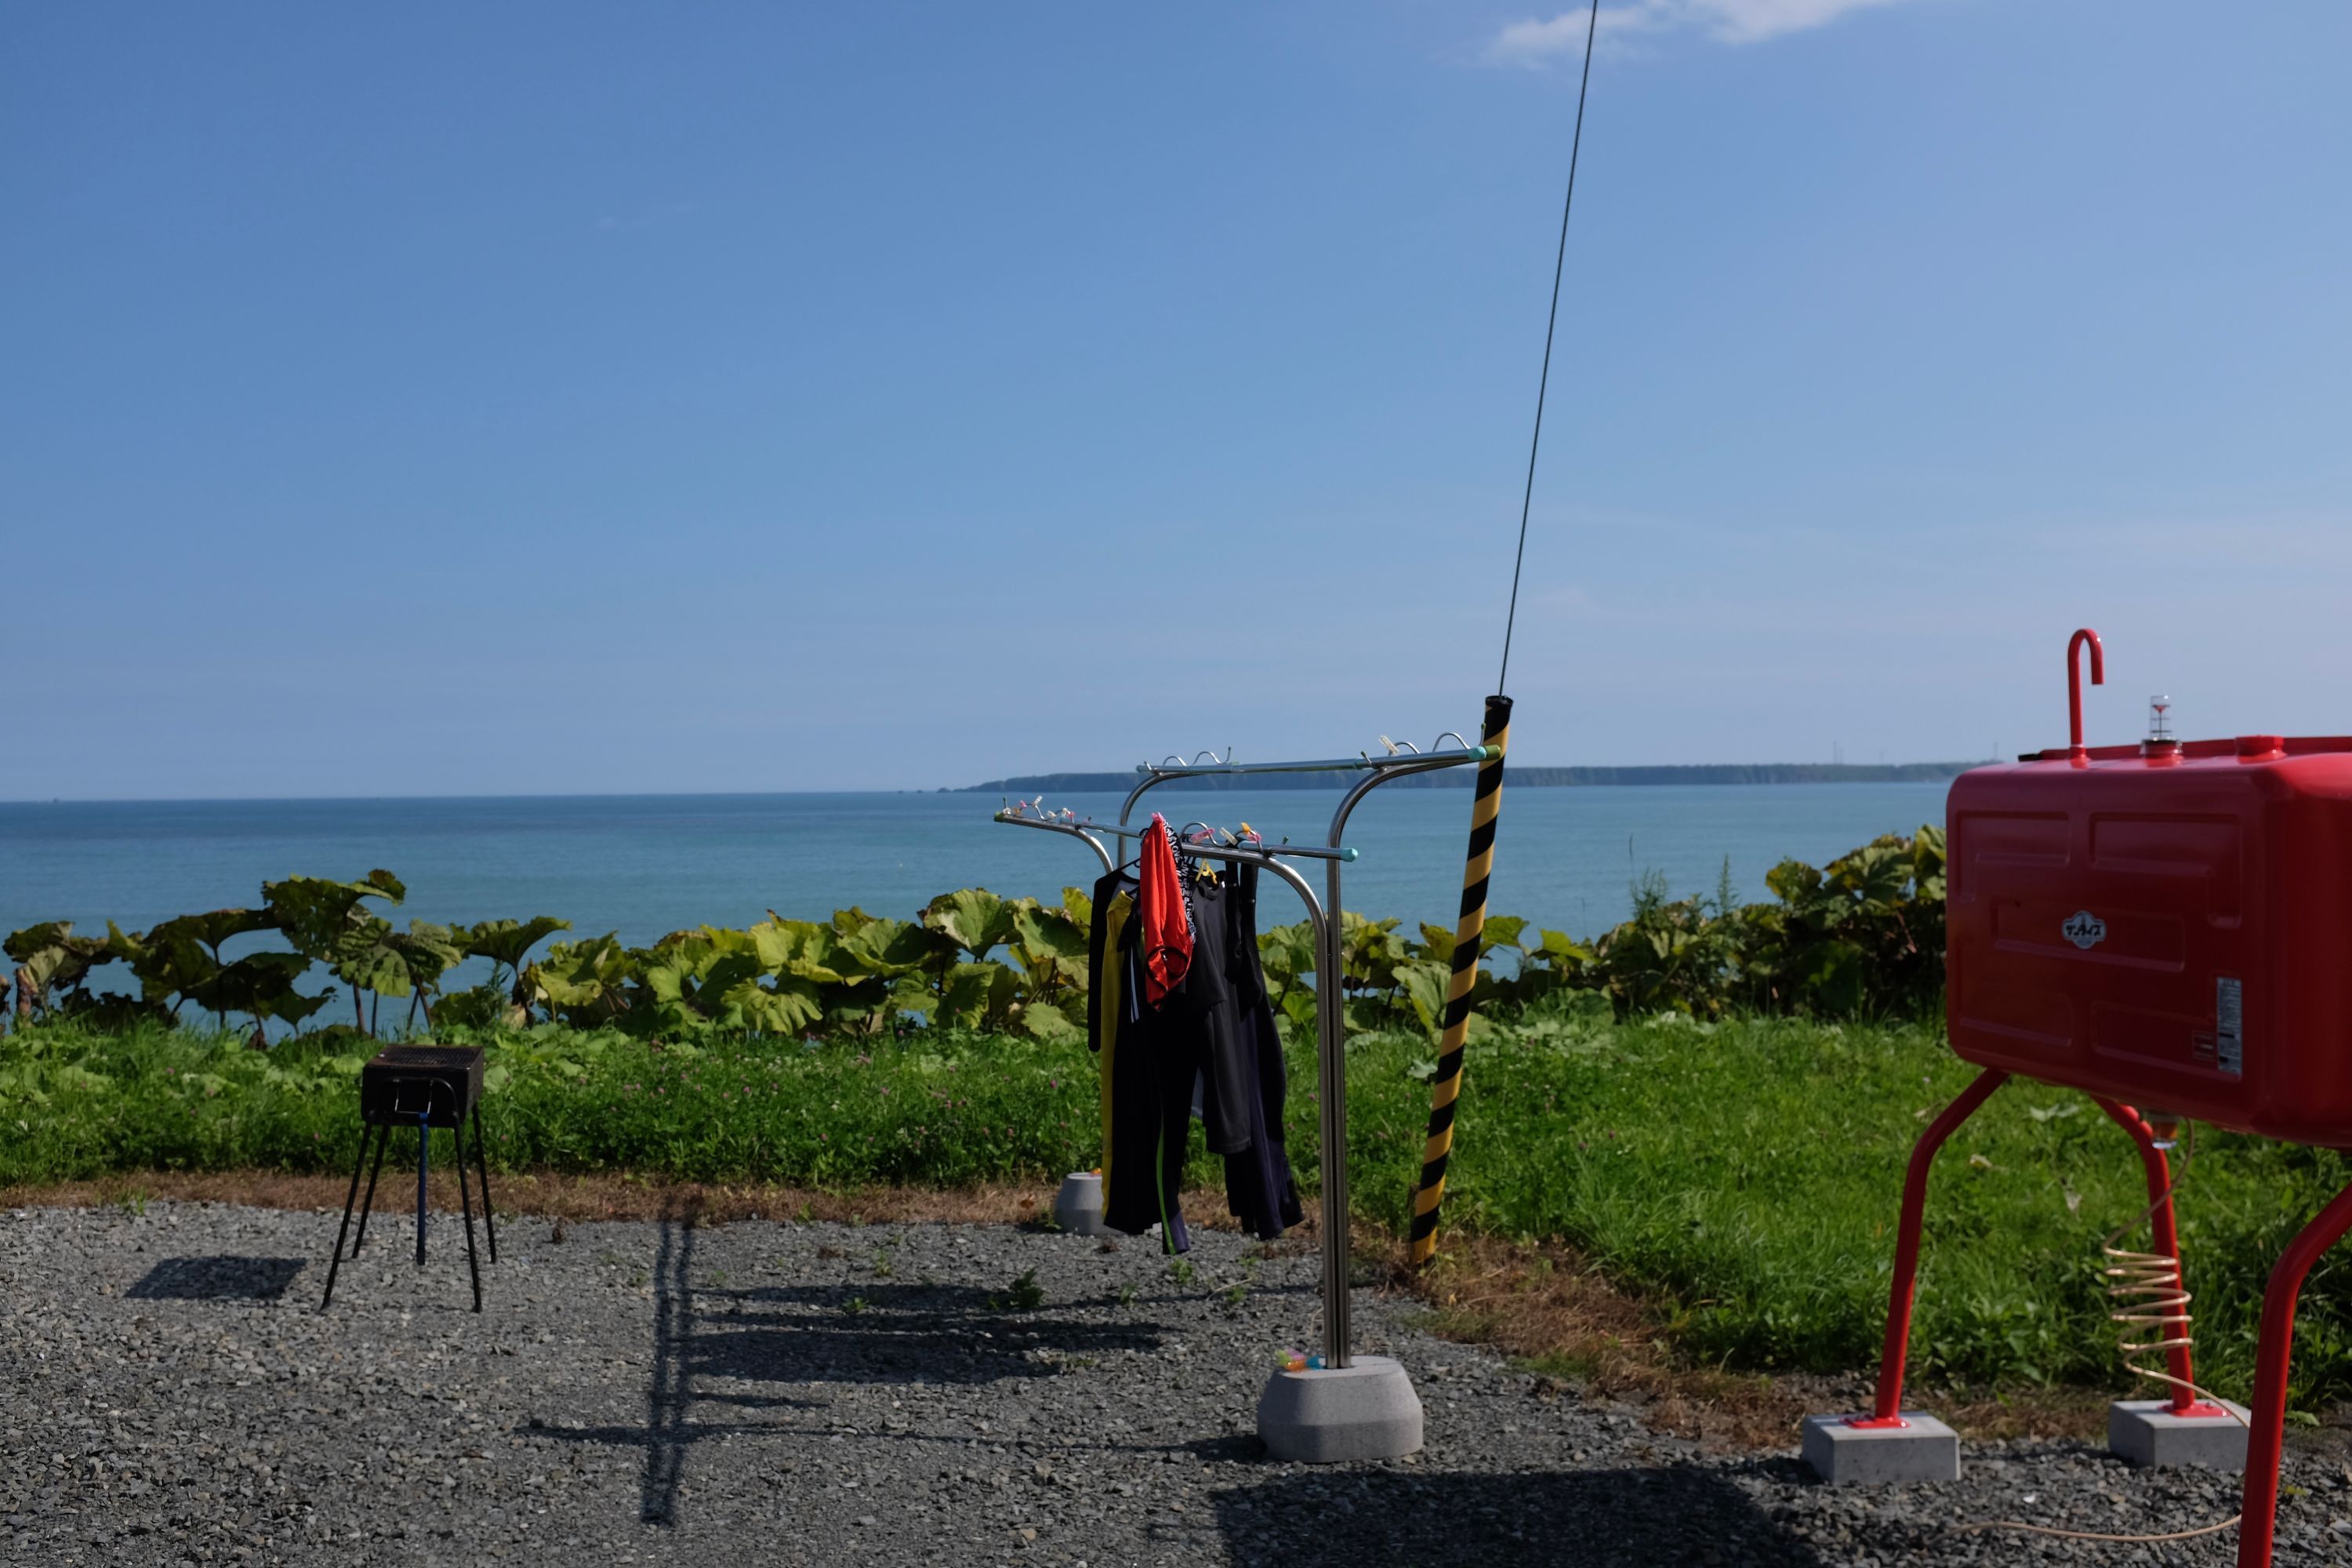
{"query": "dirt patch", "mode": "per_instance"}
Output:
(1560, 1318)
(1556, 1313)
(549, 1196)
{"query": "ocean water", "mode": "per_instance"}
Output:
(642, 866)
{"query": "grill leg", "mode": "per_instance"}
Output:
(342, 1230)
(367, 1205)
(482, 1160)
(423, 1145)
(466, 1202)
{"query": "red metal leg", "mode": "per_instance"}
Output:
(1885, 1410)
(2168, 1242)
(2271, 1359)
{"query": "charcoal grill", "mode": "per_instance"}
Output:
(424, 1087)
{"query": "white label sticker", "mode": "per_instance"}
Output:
(2228, 1025)
(2085, 929)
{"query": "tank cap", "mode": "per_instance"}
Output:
(2252, 747)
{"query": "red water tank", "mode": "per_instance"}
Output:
(2165, 924)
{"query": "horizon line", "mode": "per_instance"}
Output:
(871, 790)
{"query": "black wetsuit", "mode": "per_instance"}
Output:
(1259, 1188)
(1216, 1031)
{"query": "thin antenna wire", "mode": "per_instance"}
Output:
(1551, 325)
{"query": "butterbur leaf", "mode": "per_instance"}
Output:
(1286, 954)
(505, 942)
(364, 958)
(975, 919)
(23, 944)
(426, 951)
(888, 948)
(54, 958)
(1050, 930)
(1370, 951)
(1502, 931)
(788, 1008)
(1875, 875)
(803, 948)
(1928, 849)
(52, 968)
(1793, 882)
(1045, 1021)
(169, 961)
(1298, 1010)
(1004, 993)
(317, 914)
(256, 983)
(475, 1007)
(291, 1007)
(964, 994)
(914, 993)
(1424, 988)
(581, 974)
(1046, 971)
(671, 967)
(217, 926)
(1562, 952)
(1079, 905)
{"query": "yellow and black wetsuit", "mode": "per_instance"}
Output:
(1150, 1058)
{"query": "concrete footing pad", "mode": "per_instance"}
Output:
(1365, 1410)
(1079, 1206)
(2146, 1432)
(1922, 1450)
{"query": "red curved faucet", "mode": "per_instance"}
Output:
(2074, 684)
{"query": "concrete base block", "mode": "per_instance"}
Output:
(1079, 1206)
(1922, 1450)
(1365, 1410)
(2146, 1432)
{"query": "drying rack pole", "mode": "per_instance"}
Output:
(1347, 1408)
(1330, 991)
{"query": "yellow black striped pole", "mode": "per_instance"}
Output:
(1469, 932)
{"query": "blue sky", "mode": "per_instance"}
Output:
(589, 398)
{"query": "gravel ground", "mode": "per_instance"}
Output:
(644, 1393)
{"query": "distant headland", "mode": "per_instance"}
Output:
(1519, 776)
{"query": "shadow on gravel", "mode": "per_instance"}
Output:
(1660, 1517)
(879, 1332)
(886, 1333)
(217, 1280)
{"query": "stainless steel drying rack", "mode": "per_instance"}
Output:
(1323, 921)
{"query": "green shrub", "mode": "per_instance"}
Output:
(1863, 937)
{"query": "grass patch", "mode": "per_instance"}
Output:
(1737, 1181)
(1745, 1178)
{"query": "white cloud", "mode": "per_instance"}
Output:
(1535, 42)
(1751, 21)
